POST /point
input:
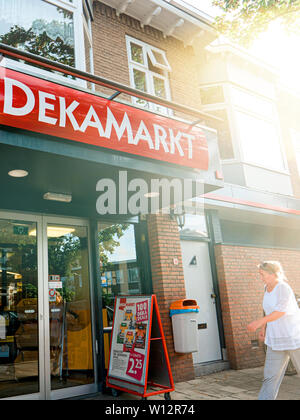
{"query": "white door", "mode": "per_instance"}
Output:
(199, 286)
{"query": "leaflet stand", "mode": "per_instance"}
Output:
(139, 362)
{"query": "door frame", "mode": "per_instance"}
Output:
(77, 390)
(42, 220)
(207, 242)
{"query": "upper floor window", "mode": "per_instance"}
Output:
(252, 103)
(257, 129)
(295, 134)
(223, 128)
(148, 67)
(212, 95)
(260, 141)
(45, 28)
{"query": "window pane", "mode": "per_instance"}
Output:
(159, 57)
(159, 87)
(195, 226)
(141, 84)
(140, 80)
(19, 338)
(212, 95)
(39, 28)
(296, 141)
(137, 53)
(252, 103)
(120, 273)
(224, 134)
(260, 141)
(71, 350)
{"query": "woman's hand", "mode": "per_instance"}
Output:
(262, 322)
(255, 325)
(262, 335)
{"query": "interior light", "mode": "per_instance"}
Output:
(55, 231)
(17, 276)
(151, 195)
(64, 198)
(18, 173)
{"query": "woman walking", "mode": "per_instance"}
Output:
(280, 328)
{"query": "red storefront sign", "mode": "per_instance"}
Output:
(45, 107)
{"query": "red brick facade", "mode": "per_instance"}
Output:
(168, 284)
(241, 292)
(110, 53)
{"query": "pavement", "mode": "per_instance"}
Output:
(225, 385)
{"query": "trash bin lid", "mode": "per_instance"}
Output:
(184, 304)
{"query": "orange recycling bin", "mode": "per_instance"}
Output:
(184, 322)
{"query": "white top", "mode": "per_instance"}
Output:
(2, 327)
(283, 334)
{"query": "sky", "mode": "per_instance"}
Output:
(205, 6)
(274, 47)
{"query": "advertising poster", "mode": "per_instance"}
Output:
(129, 346)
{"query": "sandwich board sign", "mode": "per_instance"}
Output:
(139, 362)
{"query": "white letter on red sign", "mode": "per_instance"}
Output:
(68, 111)
(44, 106)
(8, 98)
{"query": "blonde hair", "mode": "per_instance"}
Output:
(273, 267)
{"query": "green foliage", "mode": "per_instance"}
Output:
(244, 20)
(39, 44)
(108, 242)
(30, 291)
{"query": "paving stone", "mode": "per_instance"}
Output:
(226, 385)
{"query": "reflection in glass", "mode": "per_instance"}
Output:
(39, 28)
(71, 350)
(120, 273)
(159, 87)
(140, 82)
(137, 53)
(194, 226)
(19, 357)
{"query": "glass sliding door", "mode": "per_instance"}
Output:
(47, 348)
(70, 317)
(19, 309)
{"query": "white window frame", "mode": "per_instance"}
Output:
(166, 66)
(224, 106)
(295, 135)
(148, 49)
(76, 8)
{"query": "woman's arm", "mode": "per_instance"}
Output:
(262, 322)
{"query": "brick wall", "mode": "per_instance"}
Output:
(168, 284)
(241, 292)
(110, 53)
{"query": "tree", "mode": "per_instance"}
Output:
(40, 43)
(244, 20)
(109, 241)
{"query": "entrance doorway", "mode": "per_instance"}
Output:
(46, 339)
(199, 286)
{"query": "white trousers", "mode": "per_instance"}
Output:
(275, 367)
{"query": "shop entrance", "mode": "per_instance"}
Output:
(46, 337)
(199, 286)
